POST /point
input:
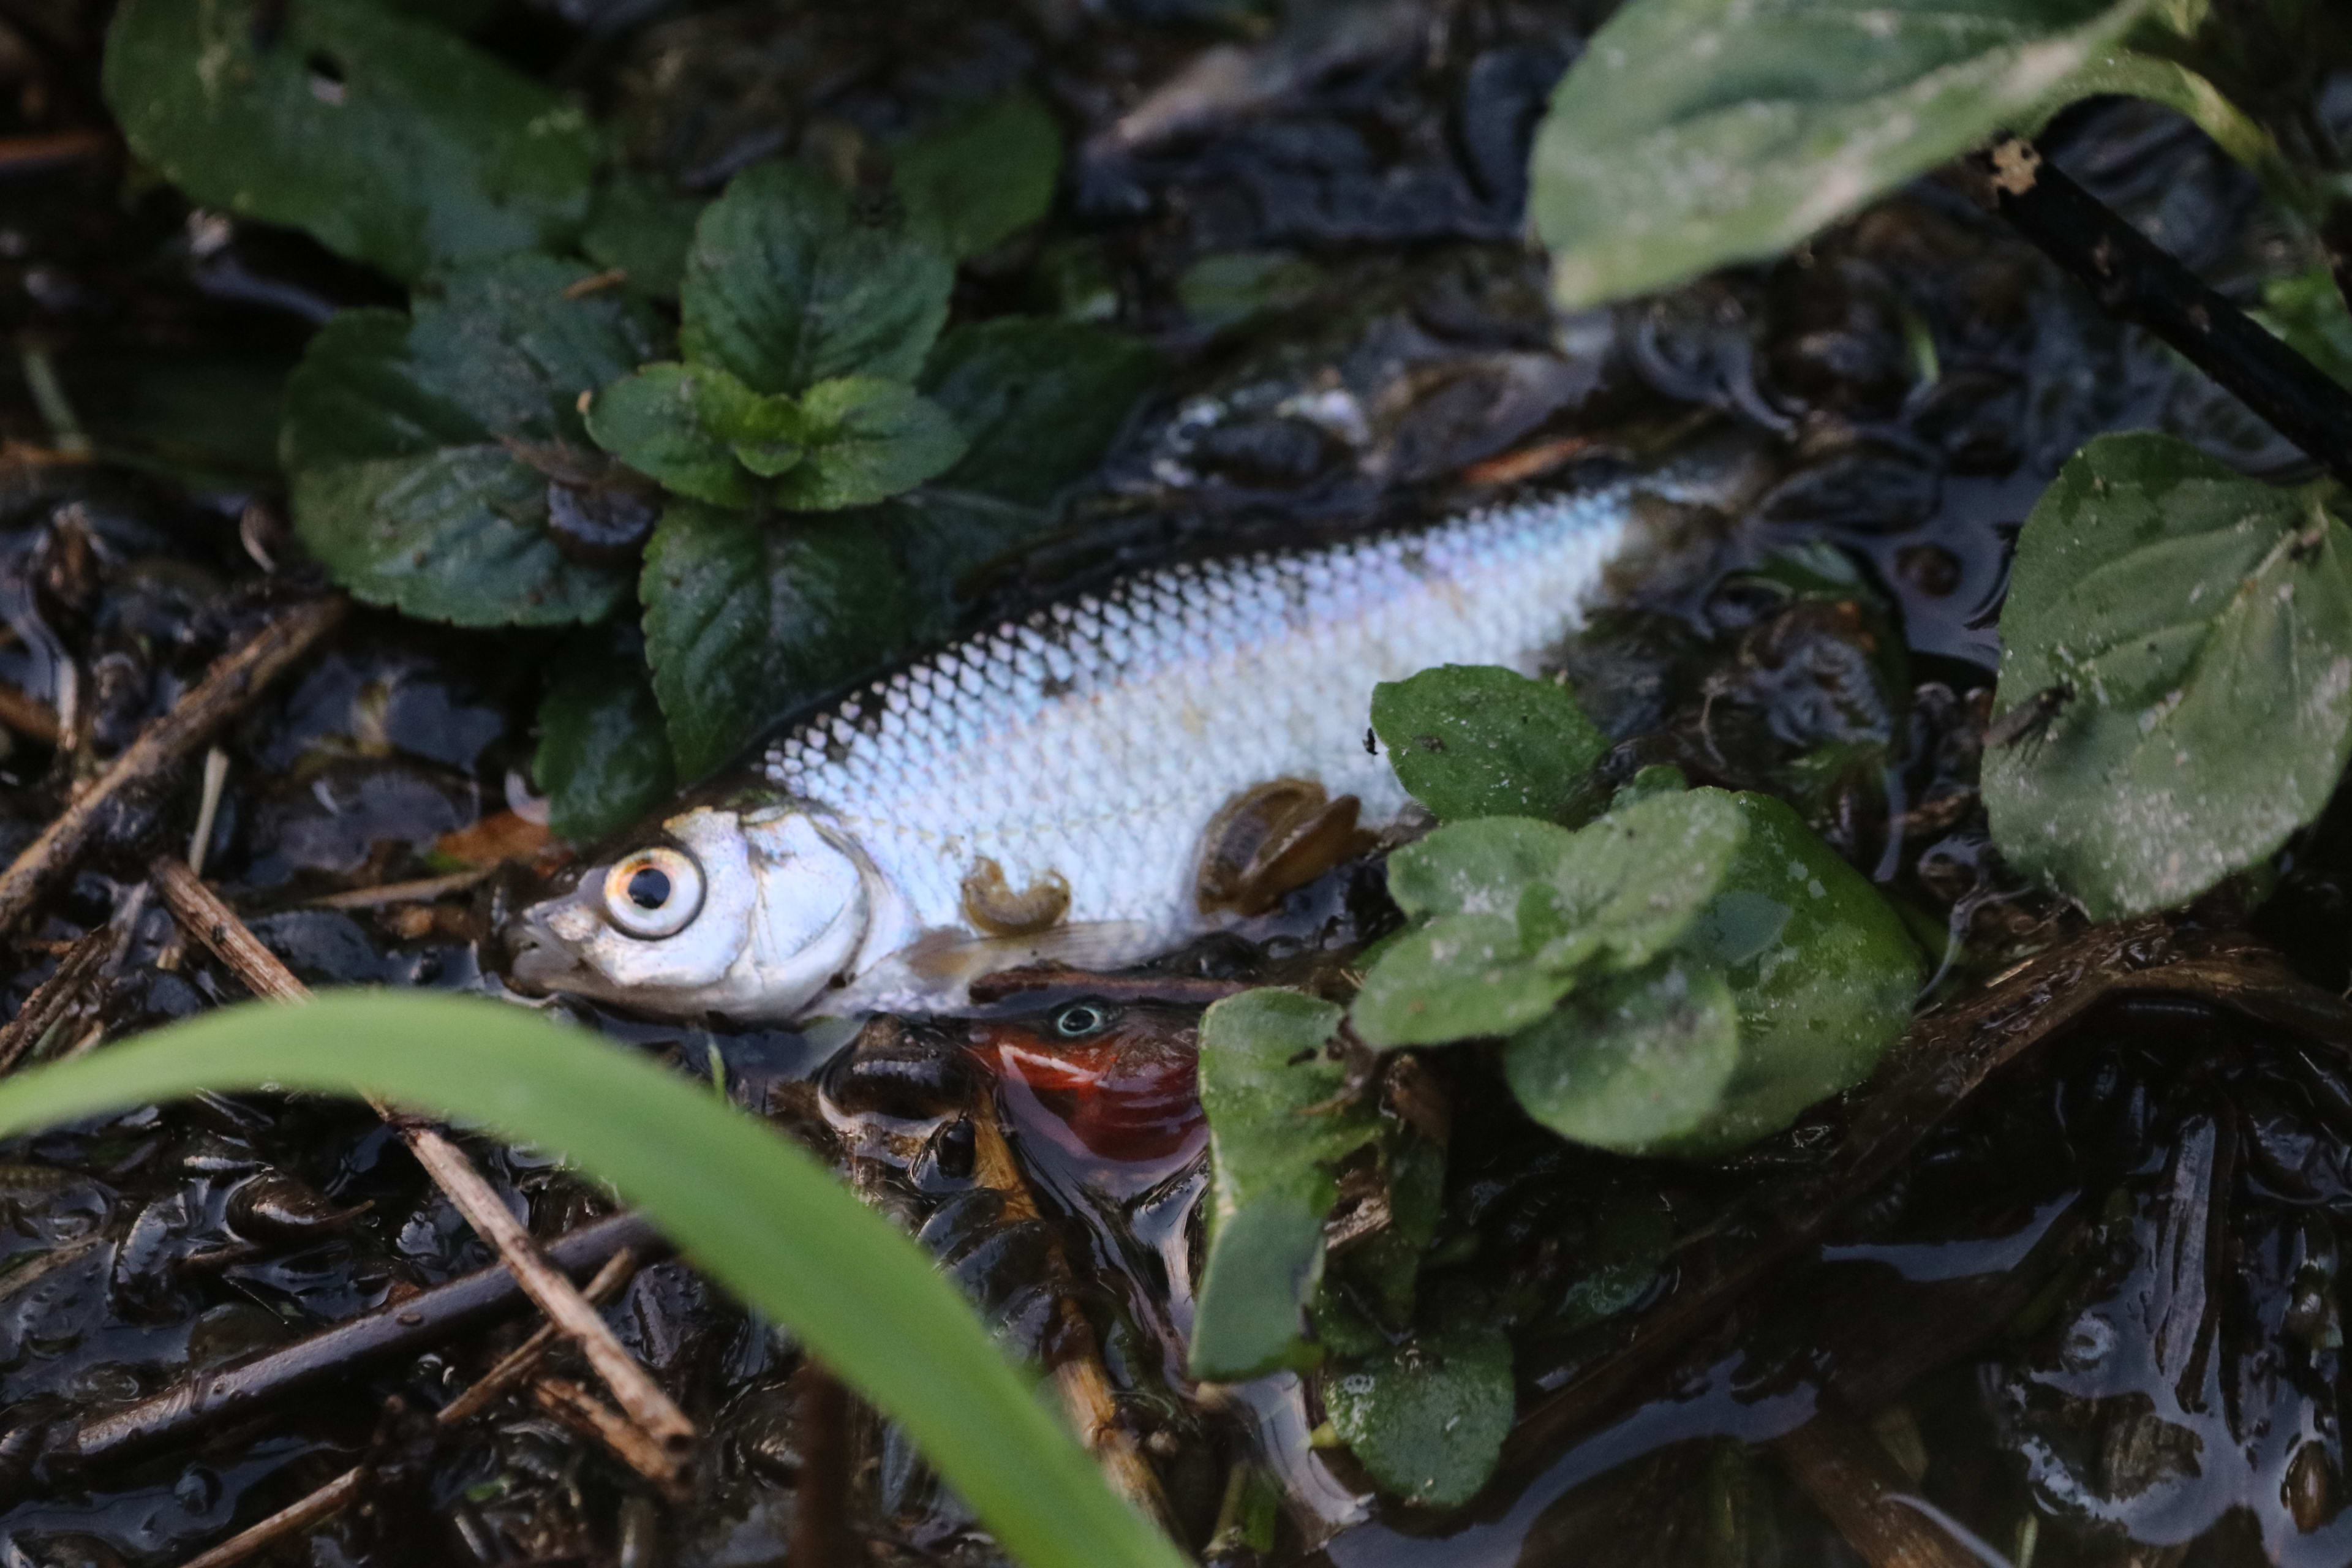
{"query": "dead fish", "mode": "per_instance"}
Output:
(1053, 789)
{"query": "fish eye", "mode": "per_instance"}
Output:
(652, 893)
(1080, 1019)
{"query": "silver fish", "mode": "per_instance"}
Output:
(1047, 790)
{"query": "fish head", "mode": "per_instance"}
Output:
(752, 913)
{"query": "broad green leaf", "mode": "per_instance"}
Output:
(1657, 778)
(1455, 978)
(604, 755)
(1040, 400)
(786, 287)
(1632, 1060)
(1822, 967)
(425, 450)
(864, 440)
(1695, 133)
(753, 1210)
(2308, 310)
(946, 537)
(641, 226)
(1278, 1122)
(976, 183)
(2194, 627)
(389, 140)
(746, 621)
(1478, 741)
(1642, 876)
(1428, 1418)
(665, 422)
(1481, 867)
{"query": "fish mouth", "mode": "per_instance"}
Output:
(536, 961)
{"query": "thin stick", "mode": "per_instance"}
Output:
(2135, 279)
(242, 1390)
(215, 925)
(340, 1493)
(29, 715)
(1078, 1373)
(422, 891)
(224, 691)
(55, 996)
(821, 1492)
(316, 1509)
(21, 154)
(592, 1418)
(1847, 1472)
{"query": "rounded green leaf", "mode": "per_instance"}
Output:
(387, 139)
(1429, 1417)
(1695, 133)
(1481, 867)
(1480, 741)
(1632, 1060)
(1278, 1122)
(786, 287)
(1455, 978)
(863, 440)
(753, 1210)
(746, 621)
(2190, 632)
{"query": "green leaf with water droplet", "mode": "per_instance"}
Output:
(1690, 133)
(385, 138)
(1278, 1123)
(1478, 741)
(1428, 1418)
(2192, 629)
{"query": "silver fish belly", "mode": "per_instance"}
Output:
(1073, 759)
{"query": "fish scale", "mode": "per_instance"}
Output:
(1094, 740)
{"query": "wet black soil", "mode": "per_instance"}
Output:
(2092, 1315)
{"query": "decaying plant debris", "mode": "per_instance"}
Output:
(2056, 1284)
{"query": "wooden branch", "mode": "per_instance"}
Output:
(821, 1491)
(219, 1396)
(215, 925)
(1847, 1472)
(55, 996)
(591, 1417)
(231, 683)
(314, 1509)
(2135, 279)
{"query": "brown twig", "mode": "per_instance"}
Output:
(22, 154)
(1077, 1360)
(224, 691)
(422, 891)
(29, 715)
(55, 996)
(328, 1501)
(2135, 279)
(589, 1417)
(821, 1492)
(215, 925)
(1849, 1475)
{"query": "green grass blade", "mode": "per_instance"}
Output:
(751, 1209)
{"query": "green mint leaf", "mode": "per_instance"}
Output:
(1695, 133)
(1457, 977)
(2308, 310)
(2186, 634)
(1478, 740)
(1428, 1417)
(604, 755)
(1275, 1133)
(388, 140)
(978, 181)
(666, 420)
(745, 622)
(866, 439)
(1633, 1059)
(430, 452)
(1040, 400)
(1481, 867)
(786, 287)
